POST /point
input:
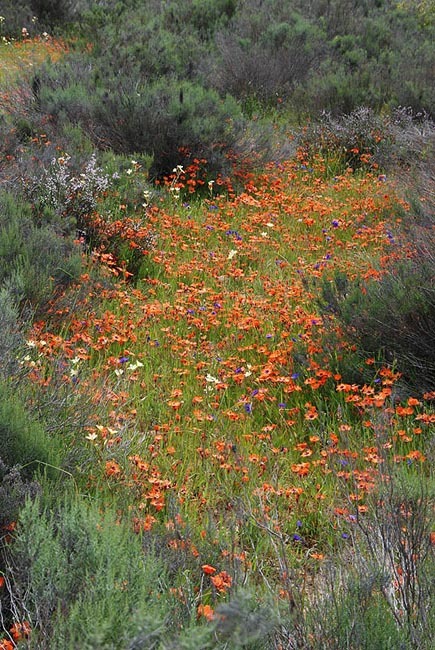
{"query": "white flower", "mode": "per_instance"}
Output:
(134, 366)
(231, 254)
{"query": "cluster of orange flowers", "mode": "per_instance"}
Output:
(217, 370)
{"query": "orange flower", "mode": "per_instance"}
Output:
(206, 611)
(222, 581)
(6, 645)
(112, 468)
(301, 469)
(208, 569)
(20, 630)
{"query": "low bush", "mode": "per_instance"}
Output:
(392, 318)
(364, 138)
(23, 439)
(36, 259)
(79, 577)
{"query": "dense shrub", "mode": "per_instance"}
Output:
(265, 58)
(80, 578)
(158, 119)
(363, 138)
(392, 318)
(24, 442)
(36, 259)
(16, 16)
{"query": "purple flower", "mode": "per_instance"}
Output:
(123, 359)
(335, 223)
(248, 407)
(297, 538)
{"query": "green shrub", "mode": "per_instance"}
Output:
(11, 336)
(132, 117)
(393, 318)
(82, 580)
(264, 54)
(36, 259)
(23, 440)
(80, 577)
(14, 490)
(16, 16)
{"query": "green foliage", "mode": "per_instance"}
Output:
(379, 593)
(393, 317)
(23, 440)
(51, 13)
(10, 334)
(157, 119)
(16, 16)
(265, 57)
(14, 490)
(83, 580)
(36, 259)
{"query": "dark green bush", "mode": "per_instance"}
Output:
(16, 16)
(14, 490)
(265, 53)
(158, 118)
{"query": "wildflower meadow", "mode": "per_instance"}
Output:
(218, 383)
